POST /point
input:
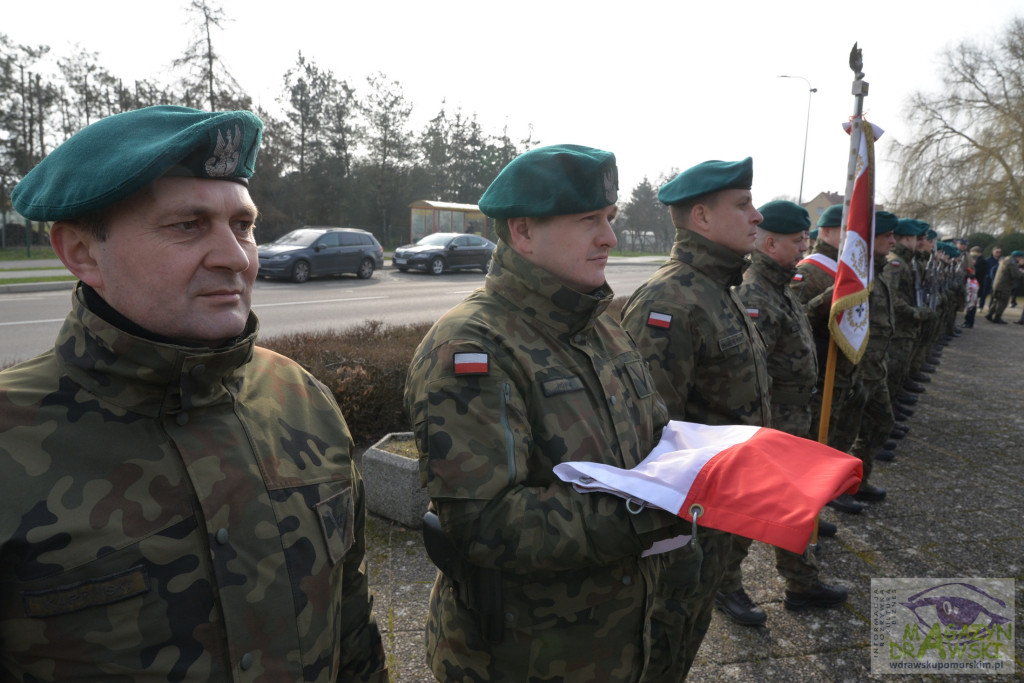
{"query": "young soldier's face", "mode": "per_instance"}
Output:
(732, 220)
(180, 259)
(574, 248)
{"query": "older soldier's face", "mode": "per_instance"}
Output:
(732, 220)
(790, 248)
(574, 248)
(180, 259)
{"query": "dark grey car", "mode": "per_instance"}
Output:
(317, 251)
(441, 251)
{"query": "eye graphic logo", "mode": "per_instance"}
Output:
(965, 613)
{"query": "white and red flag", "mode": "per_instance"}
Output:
(848, 317)
(755, 482)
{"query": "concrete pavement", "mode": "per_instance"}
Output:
(954, 510)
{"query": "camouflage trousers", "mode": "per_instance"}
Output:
(925, 342)
(848, 399)
(897, 363)
(875, 425)
(681, 609)
(1000, 300)
(800, 570)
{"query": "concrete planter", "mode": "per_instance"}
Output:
(392, 482)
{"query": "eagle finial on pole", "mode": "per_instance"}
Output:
(857, 62)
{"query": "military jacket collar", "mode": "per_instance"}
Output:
(771, 271)
(144, 376)
(826, 249)
(902, 251)
(710, 258)
(539, 294)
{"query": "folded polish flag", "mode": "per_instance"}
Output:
(751, 481)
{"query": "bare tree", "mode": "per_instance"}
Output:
(207, 79)
(964, 170)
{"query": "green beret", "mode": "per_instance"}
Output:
(1017, 252)
(930, 234)
(813, 234)
(885, 222)
(553, 181)
(784, 218)
(116, 157)
(707, 177)
(907, 226)
(832, 217)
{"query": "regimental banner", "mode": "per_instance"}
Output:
(848, 318)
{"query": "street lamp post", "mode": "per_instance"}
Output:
(803, 164)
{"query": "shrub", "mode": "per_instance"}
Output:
(364, 367)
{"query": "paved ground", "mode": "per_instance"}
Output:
(954, 510)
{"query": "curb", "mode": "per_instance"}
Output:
(23, 287)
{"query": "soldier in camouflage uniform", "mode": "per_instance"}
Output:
(877, 419)
(707, 359)
(792, 366)
(1007, 276)
(909, 315)
(179, 504)
(813, 284)
(526, 373)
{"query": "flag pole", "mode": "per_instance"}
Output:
(860, 91)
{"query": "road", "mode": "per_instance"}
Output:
(29, 322)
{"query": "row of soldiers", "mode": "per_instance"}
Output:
(529, 372)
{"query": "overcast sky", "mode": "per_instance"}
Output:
(664, 85)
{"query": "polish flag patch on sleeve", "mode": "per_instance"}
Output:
(662, 320)
(799, 277)
(471, 363)
(754, 312)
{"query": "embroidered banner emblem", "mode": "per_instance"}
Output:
(662, 320)
(754, 312)
(471, 364)
(799, 277)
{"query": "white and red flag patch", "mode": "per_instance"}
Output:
(756, 482)
(662, 320)
(471, 363)
(754, 313)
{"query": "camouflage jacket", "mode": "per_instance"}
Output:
(1007, 275)
(180, 514)
(899, 273)
(706, 356)
(814, 274)
(792, 364)
(880, 325)
(522, 375)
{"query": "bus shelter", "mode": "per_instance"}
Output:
(428, 217)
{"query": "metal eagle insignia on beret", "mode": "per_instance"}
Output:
(611, 185)
(225, 155)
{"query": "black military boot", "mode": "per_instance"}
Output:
(740, 608)
(906, 397)
(920, 376)
(885, 455)
(826, 528)
(846, 503)
(822, 595)
(870, 493)
(910, 385)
